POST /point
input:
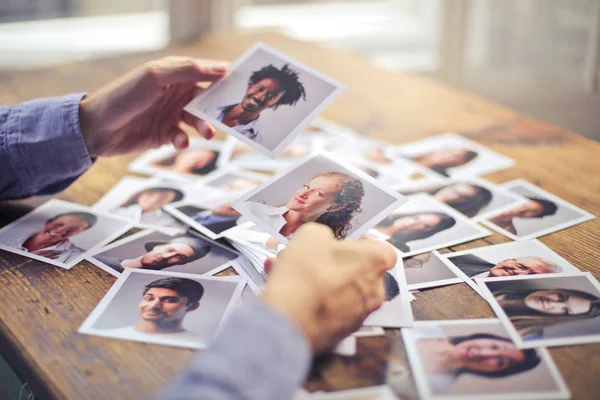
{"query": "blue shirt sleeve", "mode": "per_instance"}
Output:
(41, 147)
(259, 354)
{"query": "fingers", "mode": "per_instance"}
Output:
(173, 70)
(204, 128)
(178, 137)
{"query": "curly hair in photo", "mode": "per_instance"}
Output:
(288, 80)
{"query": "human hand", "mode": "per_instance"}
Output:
(144, 109)
(327, 287)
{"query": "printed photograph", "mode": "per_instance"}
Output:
(395, 312)
(164, 308)
(158, 251)
(508, 259)
(142, 200)
(472, 197)
(424, 224)
(234, 180)
(193, 163)
(476, 359)
(319, 189)
(428, 270)
(60, 233)
(541, 214)
(454, 156)
(546, 310)
(324, 129)
(243, 156)
(211, 216)
(266, 100)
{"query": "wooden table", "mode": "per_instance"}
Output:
(41, 307)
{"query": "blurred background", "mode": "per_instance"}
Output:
(541, 57)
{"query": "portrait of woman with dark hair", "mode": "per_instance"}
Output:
(192, 161)
(531, 311)
(328, 198)
(441, 160)
(466, 198)
(445, 358)
(405, 228)
(145, 206)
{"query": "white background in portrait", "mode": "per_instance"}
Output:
(434, 272)
(487, 160)
(464, 230)
(133, 247)
(377, 202)
(119, 308)
(497, 253)
(568, 333)
(275, 126)
(105, 229)
(542, 382)
(566, 215)
(144, 163)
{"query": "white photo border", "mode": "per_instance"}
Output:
(192, 106)
(439, 282)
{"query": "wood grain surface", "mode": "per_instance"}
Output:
(41, 307)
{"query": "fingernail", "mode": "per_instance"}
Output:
(219, 68)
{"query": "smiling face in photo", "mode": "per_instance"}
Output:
(557, 302)
(262, 95)
(152, 200)
(190, 160)
(523, 266)
(163, 305)
(487, 354)
(316, 196)
(166, 255)
(61, 228)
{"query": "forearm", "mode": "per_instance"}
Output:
(41, 147)
(258, 355)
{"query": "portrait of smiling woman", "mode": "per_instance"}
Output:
(404, 228)
(329, 198)
(533, 310)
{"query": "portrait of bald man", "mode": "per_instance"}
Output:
(477, 267)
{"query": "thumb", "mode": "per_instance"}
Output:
(173, 70)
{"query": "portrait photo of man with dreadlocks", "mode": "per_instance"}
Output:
(266, 99)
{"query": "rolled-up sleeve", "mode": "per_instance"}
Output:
(41, 147)
(258, 355)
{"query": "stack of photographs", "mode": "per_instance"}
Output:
(188, 242)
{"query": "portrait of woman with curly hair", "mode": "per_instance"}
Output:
(329, 198)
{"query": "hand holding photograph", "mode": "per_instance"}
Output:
(318, 189)
(476, 359)
(166, 308)
(266, 100)
(546, 310)
(541, 214)
(61, 233)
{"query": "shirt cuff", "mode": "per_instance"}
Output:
(258, 354)
(46, 148)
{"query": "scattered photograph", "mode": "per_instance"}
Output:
(211, 216)
(158, 251)
(243, 156)
(165, 308)
(319, 189)
(142, 200)
(476, 359)
(193, 163)
(266, 100)
(508, 259)
(541, 214)
(546, 310)
(454, 156)
(61, 233)
(234, 180)
(325, 129)
(424, 224)
(428, 270)
(395, 311)
(472, 197)
(370, 393)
